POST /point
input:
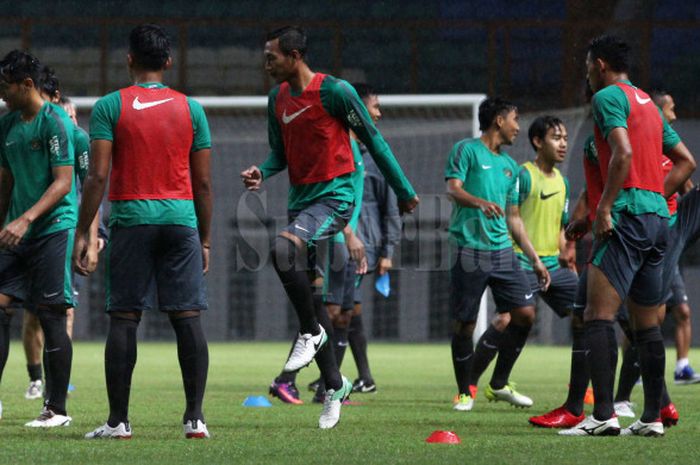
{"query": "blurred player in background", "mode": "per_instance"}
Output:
(677, 305)
(38, 210)
(157, 145)
(482, 182)
(309, 118)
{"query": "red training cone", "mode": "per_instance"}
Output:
(443, 437)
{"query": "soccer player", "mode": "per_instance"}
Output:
(631, 233)
(32, 337)
(309, 118)
(482, 182)
(158, 144)
(678, 302)
(38, 210)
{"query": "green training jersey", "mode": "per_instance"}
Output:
(544, 206)
(358, 183)
(489, 176)
(340, 100)
(126, 213)
(611, 110)
(82, 154)
(29, 151)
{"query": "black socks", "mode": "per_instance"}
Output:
(512, 342)
(601, 345)
(193, 355)
(358, 345)
(462, 358)
(4, 339)
(292, 272)
(486, 350)
(120, 359)
(580, 373)
(58, 356)
(652, 358)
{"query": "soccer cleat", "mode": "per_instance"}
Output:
(473, 390)
(286, 392)
(589, 399)
(592, 427)
(509, 394)
(363, 387)
(557, 418)
(639, 428)
(330, 415)
(48, 419)
(121, 431)
(305, 349)
(669, 415)
(686, 376)
(464, 403)
(624, 409)
(313, 385)
(195, 429)
(34, 391)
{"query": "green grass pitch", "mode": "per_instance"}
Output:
(415, 390)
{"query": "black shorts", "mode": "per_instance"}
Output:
(474, 270)
(339, 277)
(632, 257)
(38, 270)
(317, 224)
(155, 266)
(561, 293)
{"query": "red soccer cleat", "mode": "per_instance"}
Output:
(557, 418)
(669, 415)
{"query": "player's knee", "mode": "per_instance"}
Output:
(343, 320)
(501, 321)
(464, 328)
(284, 253)
(183, 314)
(125, 316)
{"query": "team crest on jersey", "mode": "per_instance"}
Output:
(35, 144)
(508, 173)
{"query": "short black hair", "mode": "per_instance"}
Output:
(540, 126)
(50, 85)
(149, 47)
(291, 38)
(490, 108)
(612, 50)
(657, 94)
(363, 89)
(18, 65)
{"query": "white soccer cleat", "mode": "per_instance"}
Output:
(121, 431)
(34, 391)
(464, 403)
(592, 427)
(48, 419)
(508, 394)
(330, 415)
(639, 428)
(196, 429)
(305, 349)
(624, 409)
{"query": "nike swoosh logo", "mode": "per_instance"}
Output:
(299, 227)
(486, 167)
(527, 296)
(53, 350)
(666, 162)
(136, 105)
(641, 101)
(464, 359)
(489, 346)
(544, 196)
(579, 306)
(53, 294)
(9, 143)
(288, 119)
